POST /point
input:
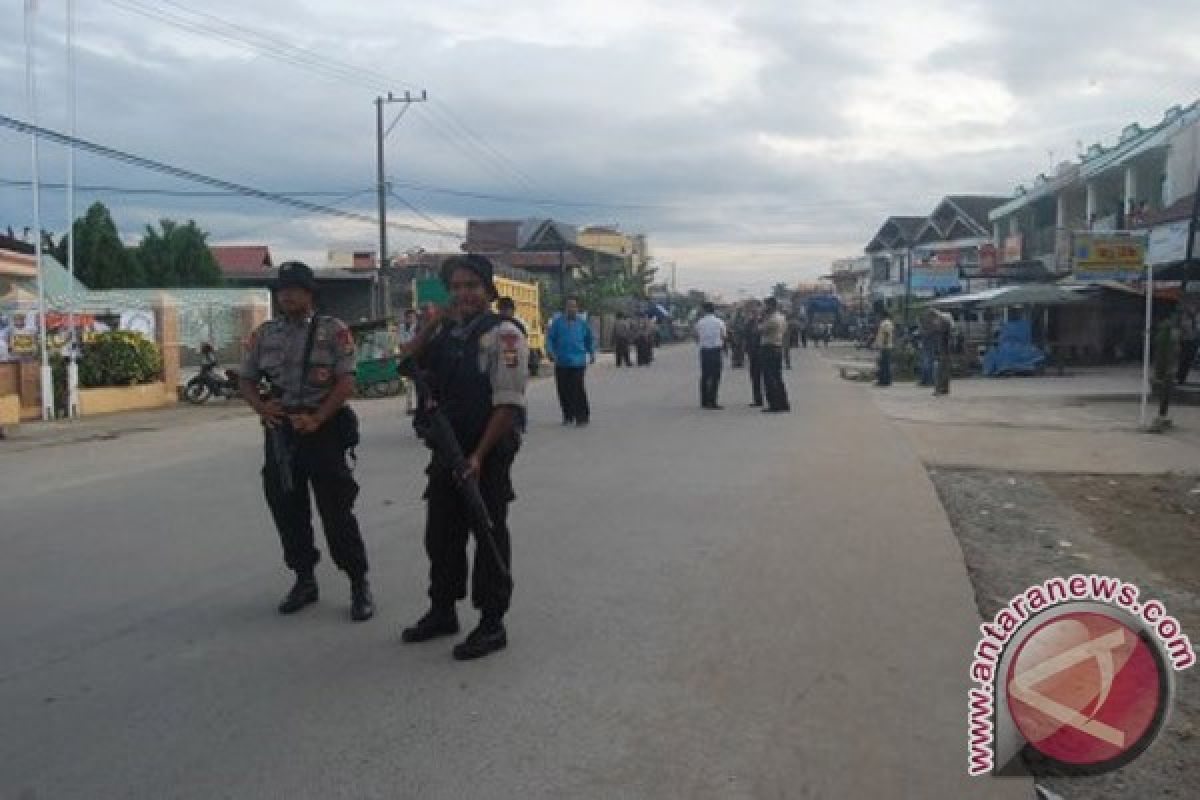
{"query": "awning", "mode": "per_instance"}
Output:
(1178, 271)
(974, 298)
(1034, 294)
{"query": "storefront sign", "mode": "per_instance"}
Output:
(935, 270)
(988, 259)
(1108, 257)
(23, 344)
(1013, 248)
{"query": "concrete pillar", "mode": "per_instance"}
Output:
(1131, 186)
(1091, 204)
(166, 334)
(1060, 210)
(249, 318)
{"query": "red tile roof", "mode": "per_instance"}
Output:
(485, 235)
(239, 259)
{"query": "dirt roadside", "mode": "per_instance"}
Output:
(1018, 528)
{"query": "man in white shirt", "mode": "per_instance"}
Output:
(710, 335)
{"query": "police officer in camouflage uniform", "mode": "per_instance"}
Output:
(309, 405)
(477, 365)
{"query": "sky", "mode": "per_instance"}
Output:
(753, 142)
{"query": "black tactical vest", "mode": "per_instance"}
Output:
(460, 387)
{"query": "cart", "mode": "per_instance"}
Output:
(376, 373)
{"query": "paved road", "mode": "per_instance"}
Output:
(709, 604)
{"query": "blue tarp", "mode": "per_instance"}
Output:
(1014, 354)
(823, 303)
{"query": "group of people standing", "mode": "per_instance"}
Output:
(761, 336)
(935, 334)
(637, 333)
(475, 368)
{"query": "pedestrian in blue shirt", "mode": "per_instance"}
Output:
(569, 342)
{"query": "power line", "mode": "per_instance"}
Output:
(209, 25)
(135, 190)
(196, 177)
(420, 213)
(531, 201)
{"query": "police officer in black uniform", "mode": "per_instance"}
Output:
(309, 362)
(476, 364)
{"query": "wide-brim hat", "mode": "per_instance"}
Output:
(474, 262)
(295, 274)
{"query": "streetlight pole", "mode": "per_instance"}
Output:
(385, 299)
(47, 375)
(73, 346)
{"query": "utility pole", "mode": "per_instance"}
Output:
(908, 287)
(562, 273)
(385, 290)
(47, 375)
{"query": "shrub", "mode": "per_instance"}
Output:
(119, 358)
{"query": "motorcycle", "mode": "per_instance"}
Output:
(209, 384)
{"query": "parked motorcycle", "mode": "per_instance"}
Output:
(208, 383)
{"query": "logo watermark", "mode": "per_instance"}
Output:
(1080, 670)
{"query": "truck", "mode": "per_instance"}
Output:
(822, 310)
(526, 297)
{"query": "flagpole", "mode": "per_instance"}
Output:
(73, 344)
(47, 382)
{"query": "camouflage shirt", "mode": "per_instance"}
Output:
(277, 352)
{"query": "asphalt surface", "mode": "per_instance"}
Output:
(721, 604)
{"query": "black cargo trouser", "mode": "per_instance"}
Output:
(572, 393)
(621, 347)
(756, 377)
(1187, 355)
(710, 375)
(772, 371)
(319, 461)
(941, 370)
(447, 528)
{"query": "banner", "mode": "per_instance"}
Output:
(1168, 243)
(1012, 248)
(988, 260)
(935, 270)
(23, 344)
(1108, 257)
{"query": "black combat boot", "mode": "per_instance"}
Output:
(362, 604)
(487, 638)
(303, 593)
(438, 621)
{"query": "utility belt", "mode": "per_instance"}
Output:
(344, 423)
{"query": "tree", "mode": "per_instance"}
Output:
(781, 291)
(101, 260)
(177, 255)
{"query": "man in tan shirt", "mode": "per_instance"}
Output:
(885, 340)
(772, 331)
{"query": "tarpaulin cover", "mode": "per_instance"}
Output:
(1014, 354)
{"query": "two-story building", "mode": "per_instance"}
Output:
(952, 250)
(547, 248)
(1111, 188)
(851, 279)
(890, 252)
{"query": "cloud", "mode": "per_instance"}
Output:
(754, 141)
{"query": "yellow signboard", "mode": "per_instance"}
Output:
(23, 344)
(1099, 256)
